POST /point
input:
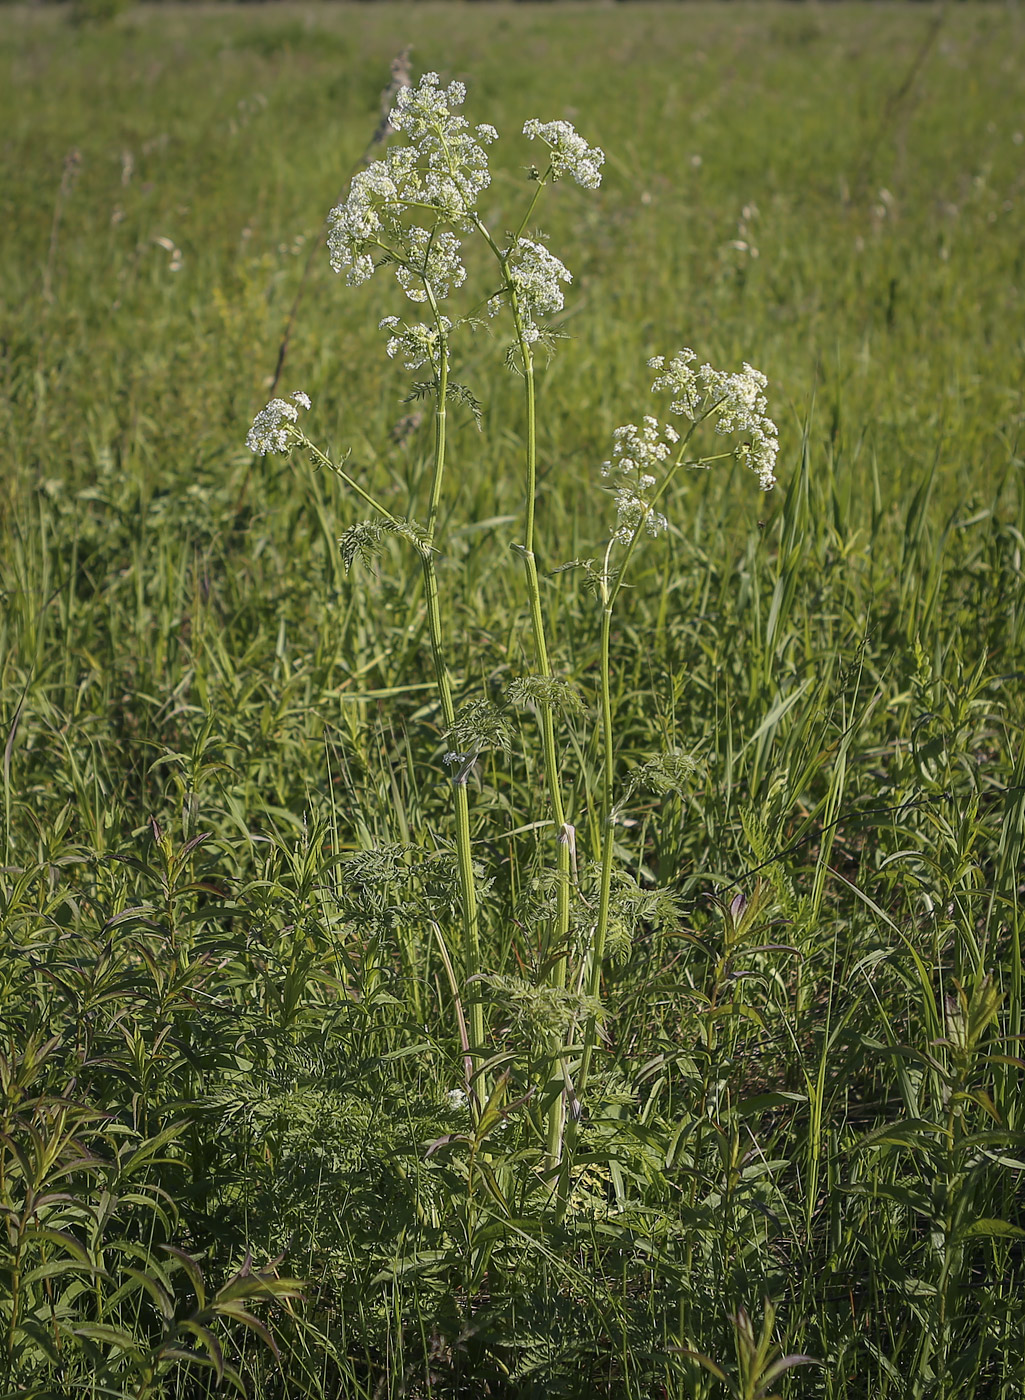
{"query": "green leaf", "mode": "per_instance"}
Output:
(761, 1103)
(785, 1363)
(426, 1261)
(912, 1132)
(735, 1008)
(55, 1267)
(702, 1360)
(240, 1314)
(110, 1336)
(191, 1268)
(43, 1339)
(208, 1339)
(985, 1229)
(916, 1201)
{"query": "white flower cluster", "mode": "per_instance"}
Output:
(420, 343)
(637, 455)
(444, 169)
(431, 258)
(455, 170)
(272, 429)
(536, 274)
(569, 153)
(737, 400)
(680, 378)
(356, 223)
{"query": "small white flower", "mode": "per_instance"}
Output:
(419, 343)
(536, 274)
(432, 257)
(456, 1100)
(735, 400)
(357, 223)
(569, 152)
(760, 454)
(451, 161)
(638, 453)
(678, 378)
(272, 430)
(445, 167)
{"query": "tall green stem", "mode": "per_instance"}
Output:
(564, 834)
(559, 953)
(610, 589)
(467, 886)
(597, 950)
(464, 854)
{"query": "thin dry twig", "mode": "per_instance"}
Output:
(72, 165)
(893, 103)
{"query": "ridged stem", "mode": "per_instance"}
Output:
(464, 854)
(563, 834)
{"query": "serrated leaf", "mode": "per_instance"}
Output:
(461, 394)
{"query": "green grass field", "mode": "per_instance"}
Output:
(235, 1143)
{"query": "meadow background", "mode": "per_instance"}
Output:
(227, 1036)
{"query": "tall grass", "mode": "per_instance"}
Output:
(229, 1031)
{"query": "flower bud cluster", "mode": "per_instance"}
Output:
(569, 153)
(420, 344)
(273, 427)
(444, 169)
(736, 400)
(637, 455)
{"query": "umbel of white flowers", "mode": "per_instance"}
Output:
(440, 173)
(396, 212)
(569, 154)
(273, 427)
(536, 274)
(437, 179)
(736, 401)
(637, 454)
(406, 211)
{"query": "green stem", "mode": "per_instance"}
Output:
(559, 952)
(564, 835)
(597, 951)
(318, 458)
(464, 855)
(610, 590)
(467, 886)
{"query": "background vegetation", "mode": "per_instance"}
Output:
(227, 1033)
